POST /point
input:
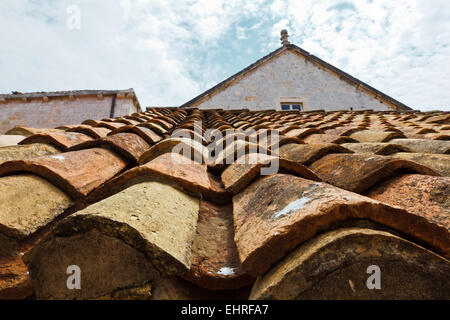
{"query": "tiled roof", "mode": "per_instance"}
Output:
(353, 190)
(17, 94)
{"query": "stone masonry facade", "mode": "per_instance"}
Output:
(289, 77)
(51, 112)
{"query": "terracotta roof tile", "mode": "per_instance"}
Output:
(91, 122)
(300, 132)
(438, 136)
(145, 133)
(327, 138)
(108, 125)
(445, 118)
(94, 132)
(334, 266)
(75, 172)
(26, 152)
(97, 255)
(63, 140)
(429, 136)
(155, 226)
(188, 133)
(282, 141)
(383, 148)
(440, 163)
(28, 204)
(26, 131)
(308, 153)
(275, 214)
(425, 196)
(15, 283)
(342, 131)
(358, 172)
(172, 168)
(136, 117)
(127, 144)
(375, 136)
(425, 130)
(233, 151)
(244, 170)
(424, 145)
(195, 148)
(215, 259)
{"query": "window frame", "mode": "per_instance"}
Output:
(281, 100)
(292, 106)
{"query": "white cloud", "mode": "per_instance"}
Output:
(400, 47)
(170, 51)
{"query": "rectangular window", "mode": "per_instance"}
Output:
(285, 106)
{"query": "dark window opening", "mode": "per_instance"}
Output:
(285, 106)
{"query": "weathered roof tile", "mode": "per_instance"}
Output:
(127, 144)
(244, 170)
(28, 203)
(424, 145)
(234, 151)
(383, 148)
(277, 213)
(440, 163)
(327, 138)
(215, 261)
(75, 172)
(172, 168)
(358, 172)
(147, 225)
(26, 152)
(144, 132)
(15, 283)
(94, 132)
(308, 153)
(26, 131)
(335, 266)
(190, 148)
(424, 195)
(375, 136)
(63, 140)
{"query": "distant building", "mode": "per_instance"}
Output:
(52, 109)
(290, 78)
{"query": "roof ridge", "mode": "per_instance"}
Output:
(17, 94)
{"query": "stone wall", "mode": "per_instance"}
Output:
(290, 76)
(57, 111)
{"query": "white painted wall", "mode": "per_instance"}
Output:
(291, 75)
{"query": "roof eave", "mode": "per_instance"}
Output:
(75, 93)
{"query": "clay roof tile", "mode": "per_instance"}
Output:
(63, 140)
(358, 172)
(75, 172)
(277, 213)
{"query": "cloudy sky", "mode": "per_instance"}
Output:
(170, 51)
